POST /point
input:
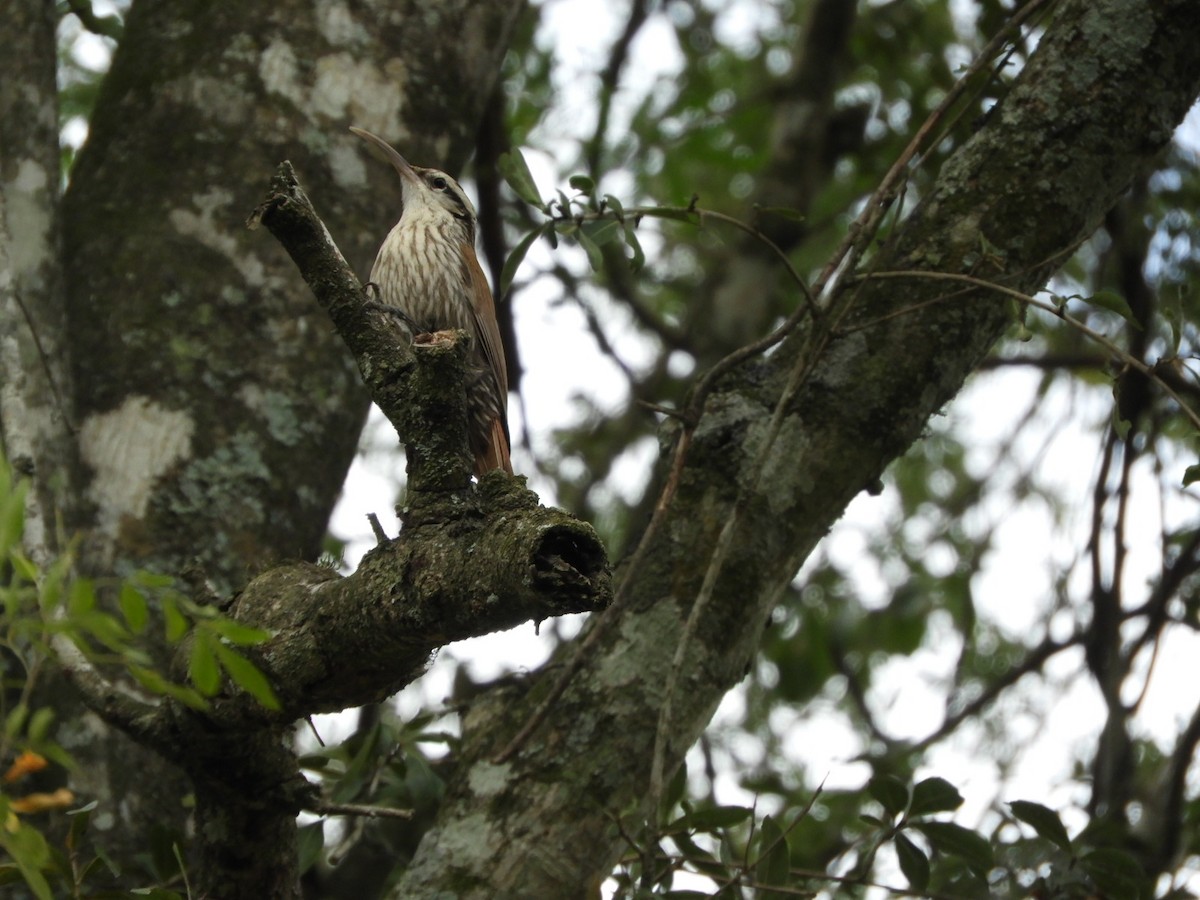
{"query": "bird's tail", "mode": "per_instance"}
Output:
(496, 454)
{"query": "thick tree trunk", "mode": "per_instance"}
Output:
(216, 412)
(785, 443)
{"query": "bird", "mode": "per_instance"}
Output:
(427, 269)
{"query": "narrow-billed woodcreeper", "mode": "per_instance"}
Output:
(427, 269)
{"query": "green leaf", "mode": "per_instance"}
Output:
(934, 795)
(134, 608)
(674, 792)
(361, 766)
(516, 172)
(24, 566)
(203, 671)
(602, 231)
(954, 840)
(237, 633)
(582, 183)
(913, 863)
(639, 256)
(39, 725)
(50, 589)
(178, 854)
(1114, 302)
(29, 851)
(149, 679)
(1115, 873)
(695, 854)
(515, 259)
(80, 818)
(15, 720)
(774, 855)
(595, 257)
(711, 818)
(81, 598)
(1043, 820)
(176, 623)
(104, 628)
(155, 683)
(310, 841)
(615, 205)
(1191, 475)
(12, 516)
(247, 676)
(151, 580)
(891, 793)
(58, 756)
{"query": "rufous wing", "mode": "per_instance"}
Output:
(488, 333)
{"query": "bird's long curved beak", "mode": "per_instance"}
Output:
(399, 163)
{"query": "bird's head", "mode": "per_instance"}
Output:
(426, 189)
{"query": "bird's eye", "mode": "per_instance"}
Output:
(439, 183)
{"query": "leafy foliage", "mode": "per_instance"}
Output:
(104, 622)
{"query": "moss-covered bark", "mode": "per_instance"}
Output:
(1100, 98)
(217, 411)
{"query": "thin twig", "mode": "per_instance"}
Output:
(852, 247)
(381, 536)
(1128, 359)
(861, 231)
(610, 78)
(326, 808)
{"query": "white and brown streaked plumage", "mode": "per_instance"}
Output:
(427, 268)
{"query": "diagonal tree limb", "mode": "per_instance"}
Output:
(1041, 172)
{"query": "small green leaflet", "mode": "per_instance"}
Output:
(1043, 820)
(595, 257)
(516, 172)
(1113, 302)
(891, 793)
(774, 855)
(913, 863)
(582, 183)
(934, 795)
(954, 840)
(133, 607)
(517, 257)
(247, 676)
(203, 671)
